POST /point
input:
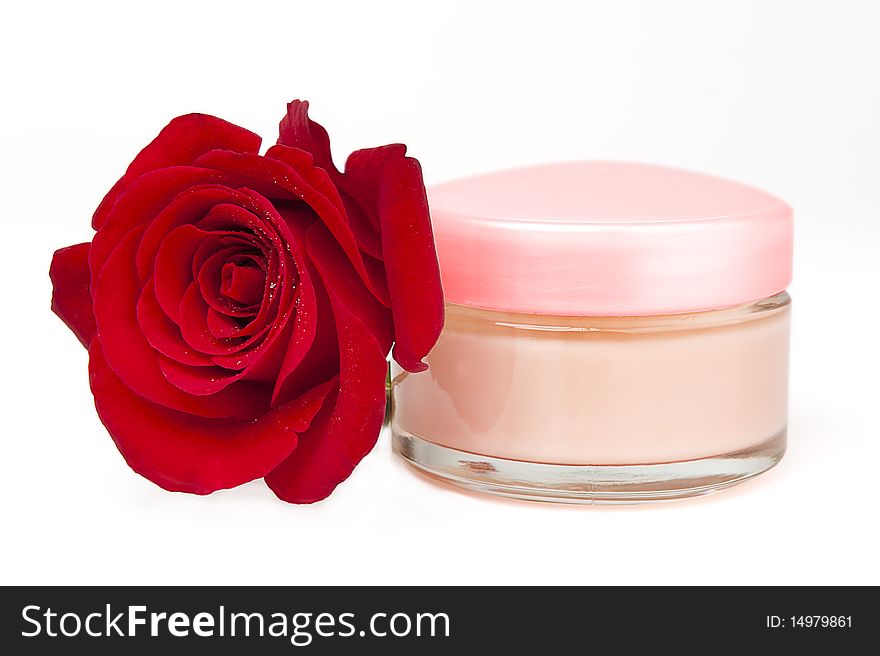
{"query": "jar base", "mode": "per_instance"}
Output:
(587, 484)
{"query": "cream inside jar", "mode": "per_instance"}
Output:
(614, 332)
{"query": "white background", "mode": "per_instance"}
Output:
(782, 95)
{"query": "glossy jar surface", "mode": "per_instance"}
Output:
(599, 408)
(614, 332)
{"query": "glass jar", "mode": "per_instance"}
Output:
(626, 373)
(599, 408)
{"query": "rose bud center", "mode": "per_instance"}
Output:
(243, 282)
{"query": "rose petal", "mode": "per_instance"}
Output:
(321, 358)
(297, 130)
(199, 381)
(162, 333)
(222, 325)
(187, 208)
(197, 333)
(172, 273)
(390, 185)
(143, 201)
(288, 291)
(297, 296)
(71, 299)
(260, 353)
(299, 356)
(368, 238)
(183, 453)
(180, 142)
(242, 283)
(294, 174)
(132, 358)
(345, 288)
(339, 438)
(209, 279)
(293, 171)
(303, 335)
(271, 235)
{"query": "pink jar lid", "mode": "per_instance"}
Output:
(608, 239)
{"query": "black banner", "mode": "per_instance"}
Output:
(406, 620)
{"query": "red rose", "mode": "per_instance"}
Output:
(238, 308)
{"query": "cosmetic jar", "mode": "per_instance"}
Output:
(615, 332)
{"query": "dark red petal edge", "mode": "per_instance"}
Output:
(180, 142)
(300, 132)
(388, 184)
(341, 437)
(183, 453)
(347, 429)
(71, 299)
(142, 202)
(297, 130)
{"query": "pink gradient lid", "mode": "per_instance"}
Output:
(608, 239)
